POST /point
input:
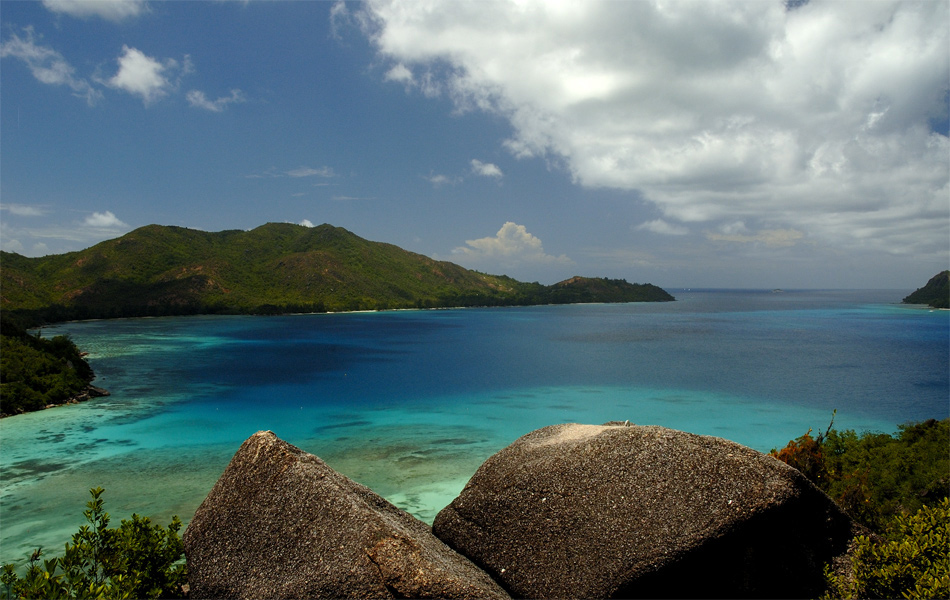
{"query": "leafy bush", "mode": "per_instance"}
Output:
(897, 485)
(910, 561)
(875, 476)
(807, 455)
(136, 560)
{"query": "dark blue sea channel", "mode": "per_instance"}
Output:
(410, 403)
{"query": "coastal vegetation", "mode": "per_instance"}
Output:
(276, 268)
(935, 294)
(875, 477)
(37, 372)
(909, 559)
(897, 486)
(138, 559)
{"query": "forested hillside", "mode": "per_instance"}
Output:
(936, 293)
(278, 267)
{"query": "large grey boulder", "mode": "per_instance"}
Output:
(597, 511)
(280, 523)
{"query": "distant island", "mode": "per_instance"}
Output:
(935, 294)
(276, 268)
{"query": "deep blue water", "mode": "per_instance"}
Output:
(411, 402)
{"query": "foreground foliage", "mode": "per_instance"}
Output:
(37, 372)
(910, 560)
(875, 476)
(135, 560)
(898, 487)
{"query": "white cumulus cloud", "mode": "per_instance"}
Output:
(111, 10)
(513, 245)
(486, 169)
(104, 220)
(400, 73)
(144, 76)
(815, 118)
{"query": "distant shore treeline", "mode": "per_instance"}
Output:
(276, 268)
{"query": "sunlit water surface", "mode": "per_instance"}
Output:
(410, 403)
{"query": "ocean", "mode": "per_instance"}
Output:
(410, 403)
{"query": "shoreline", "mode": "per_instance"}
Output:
(89, 393)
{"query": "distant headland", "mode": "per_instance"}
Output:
(935, 294)
(276, 268)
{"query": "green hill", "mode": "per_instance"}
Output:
(935, 294)
(278, 267)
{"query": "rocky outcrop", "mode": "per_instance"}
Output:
(568, 511)
(280, 523)
(587, 511)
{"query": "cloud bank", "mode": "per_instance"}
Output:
(37, 239)
(818, 118)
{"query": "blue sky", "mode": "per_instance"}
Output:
(732, 144)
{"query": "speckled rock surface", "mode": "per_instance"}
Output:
(592, 511)
(280, 523)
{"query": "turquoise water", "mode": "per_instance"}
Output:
(410, 403)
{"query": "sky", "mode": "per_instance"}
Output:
(750, 144)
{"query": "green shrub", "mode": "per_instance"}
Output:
(875, 476)
(807, 454)
(135, 560)
(911, 560)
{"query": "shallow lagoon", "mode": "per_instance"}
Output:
(410, 403)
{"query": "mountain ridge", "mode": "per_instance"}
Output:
(160, 270)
